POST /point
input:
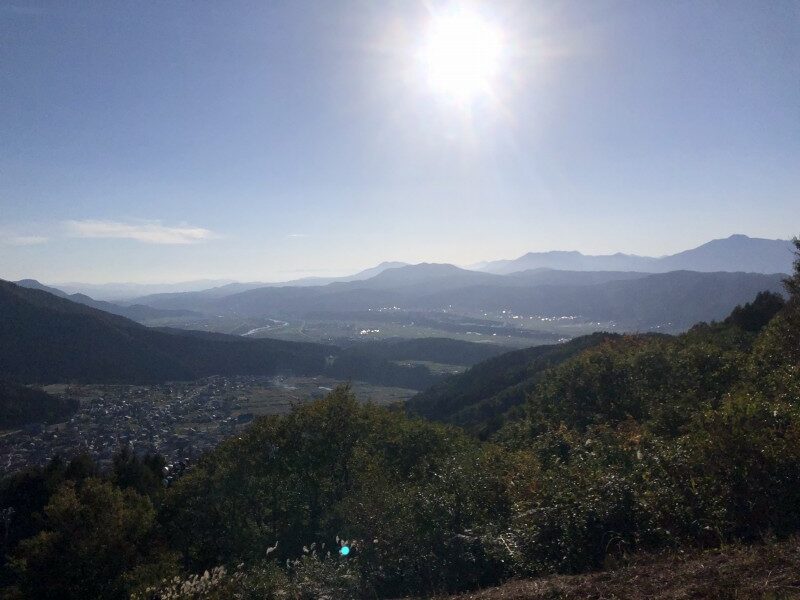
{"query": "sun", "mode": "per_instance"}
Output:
(461, 55)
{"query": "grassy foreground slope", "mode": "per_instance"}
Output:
(760, 572)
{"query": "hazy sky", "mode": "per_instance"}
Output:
(156, 141)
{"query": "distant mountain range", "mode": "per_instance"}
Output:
(47, 335)
(360, 276)
(135, 312)
(122, 292)
(201, 296)
(735, 253)
(117, 292)
(670, 301)
(424, 278)
(671, 292)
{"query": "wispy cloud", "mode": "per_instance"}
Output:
(32, 11)
(147, 232)
(296, 235)
(23, 240)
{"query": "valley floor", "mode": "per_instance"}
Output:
(767, 572)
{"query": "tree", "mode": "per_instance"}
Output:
(775, 363)
(792, 282)
(143, 475)
(755, 315)
(93, 534)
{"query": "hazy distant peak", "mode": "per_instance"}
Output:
(418, 269)
(33, 284)
(425, 267)
(736, 253)
(376, 270)
(443, 273)
(554, 253)
(388, 264)
(126, 291)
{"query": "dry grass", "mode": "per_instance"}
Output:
(767, 572)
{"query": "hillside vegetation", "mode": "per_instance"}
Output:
(432, 349)
(44, 339)
(136, 312)
(634, 445)
(20, 405)
(491, 393)
(480, 399)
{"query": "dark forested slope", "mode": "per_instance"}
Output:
(479, 398)
(135, 312)
(44, 338)
(20, 405)
(433, 349)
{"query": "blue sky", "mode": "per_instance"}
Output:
(169, 141)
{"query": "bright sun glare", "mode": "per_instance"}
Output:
(461, 53)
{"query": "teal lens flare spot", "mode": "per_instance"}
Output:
(344, 550)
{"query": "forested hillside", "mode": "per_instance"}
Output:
(45, 339)
(437, 350)
(479, 399)
(485, 396)
(135, 312)
(632, 444)
(20, 405)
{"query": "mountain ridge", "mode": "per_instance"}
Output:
(675, 299)
(737, 252)
(45, 338)
(136, 312)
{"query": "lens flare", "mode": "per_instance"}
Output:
(462, 54)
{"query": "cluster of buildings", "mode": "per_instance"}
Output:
(180, 421)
